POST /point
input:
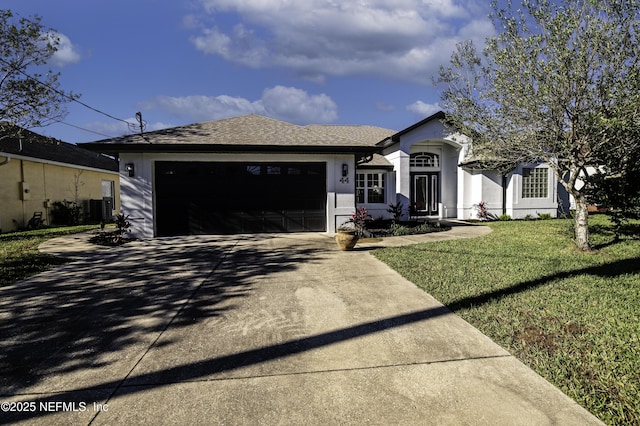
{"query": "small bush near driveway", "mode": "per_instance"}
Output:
(572, 317)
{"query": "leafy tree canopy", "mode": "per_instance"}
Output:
(559, 83)
(28, 100)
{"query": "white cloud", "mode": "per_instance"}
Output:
(447, 8)
(423, 109)
(134, 125)
(67, 52)
(203, 108)
(158, 125)
(283, 103)
(113, 129)
(383, 106)
(401, 39)
(241, 46)
(297, 106)
(107, 128)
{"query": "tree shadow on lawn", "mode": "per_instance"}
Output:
(27, 266)
(83, 315)
(607, 270)
(628, 231)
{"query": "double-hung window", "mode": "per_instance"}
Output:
(370, 187)
(535, 182)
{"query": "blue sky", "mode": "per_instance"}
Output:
(301, 61)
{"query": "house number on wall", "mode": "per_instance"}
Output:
(344, 180)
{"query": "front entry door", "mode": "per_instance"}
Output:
(425, 193)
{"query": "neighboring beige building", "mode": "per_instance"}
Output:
(36, 172)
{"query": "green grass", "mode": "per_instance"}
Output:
(19, 255)
(572, 317)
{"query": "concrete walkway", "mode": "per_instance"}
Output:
(253, 329)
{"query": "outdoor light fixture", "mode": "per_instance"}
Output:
(130, 169)
(345, 173)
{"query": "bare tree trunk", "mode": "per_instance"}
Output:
(581, 227)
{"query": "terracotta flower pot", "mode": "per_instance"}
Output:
(346, 240)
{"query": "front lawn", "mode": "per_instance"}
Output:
(572, 317)
(19, 255)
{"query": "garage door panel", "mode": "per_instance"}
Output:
(295, 220)
(166, 213)
(214, 197)
(298, 221)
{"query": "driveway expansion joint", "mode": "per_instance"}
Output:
(315, 372)
(167, 325)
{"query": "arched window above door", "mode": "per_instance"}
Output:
(424, 159)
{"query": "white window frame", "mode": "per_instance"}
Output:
(366, 182)
(424, 159)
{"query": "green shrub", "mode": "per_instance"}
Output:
(424, 228)
(396, 210)
(398, 230)
(504, 217)
(544, 216)
(116, 237)
(65, 213)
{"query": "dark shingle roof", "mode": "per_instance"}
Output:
(41, 147)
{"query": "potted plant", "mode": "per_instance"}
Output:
(346, 237)
(348, 234)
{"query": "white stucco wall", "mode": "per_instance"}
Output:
(476, 186)
(138, 195)
(400, 161)
(486, 185)
(341, 197)
(449, 181)
(519, 207)
(432, 137)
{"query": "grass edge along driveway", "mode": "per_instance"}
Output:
(572, 317)
(19, 255)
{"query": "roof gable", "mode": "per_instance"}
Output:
(440, 115)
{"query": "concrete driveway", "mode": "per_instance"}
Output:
(252, 329)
